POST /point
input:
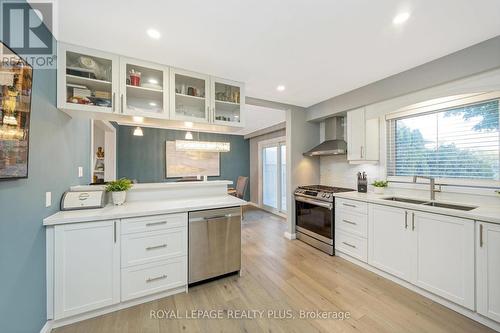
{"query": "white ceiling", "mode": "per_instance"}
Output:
(258, 118)
(317, 48)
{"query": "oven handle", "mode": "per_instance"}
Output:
(314, 202)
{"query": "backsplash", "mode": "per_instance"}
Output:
(336, 171)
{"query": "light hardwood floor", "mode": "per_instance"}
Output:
(284, 275)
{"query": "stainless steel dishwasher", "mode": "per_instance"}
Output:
(214, 243)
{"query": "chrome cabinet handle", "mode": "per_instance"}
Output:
(361, 148)
(412, 221)
(156, 247)
(155, 223)
(164, 276)
(480, 235)
(349, 205)
(121, 103)
(406, 220)
(350, 222)
(350, 245)
(114, 231)
(114, 99)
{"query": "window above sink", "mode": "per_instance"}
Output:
(457, 141)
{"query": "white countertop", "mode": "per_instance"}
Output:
(143, 208)
(156, 186)
(486, 213)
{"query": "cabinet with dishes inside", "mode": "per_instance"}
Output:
(113, 87)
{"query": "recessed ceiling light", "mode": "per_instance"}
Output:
(153, 33)
(401, 18)
(138, 119)
(280, 87)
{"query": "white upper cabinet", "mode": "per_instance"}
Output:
(107, 86)
(143, 88)
(444, 256)
(390, 240)
(362, 137)
(87, 79)
(228, 101)
(488, 270)
(189, 96)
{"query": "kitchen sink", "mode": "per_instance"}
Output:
(406, 200)
(449, 206)
(430, 203)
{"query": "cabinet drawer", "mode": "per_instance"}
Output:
(352, 245)
(351, 206)
(353, 223)
(152, 223)
(142, 280)
(142, 248)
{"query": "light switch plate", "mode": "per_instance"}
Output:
(80, 172)
(48, 199)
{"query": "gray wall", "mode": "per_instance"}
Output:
(254, 162)
(143, 158)
(478, 58)
(58, 145)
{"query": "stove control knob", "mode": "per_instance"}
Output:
(323, 195)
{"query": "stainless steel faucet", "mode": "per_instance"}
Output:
(432, 182)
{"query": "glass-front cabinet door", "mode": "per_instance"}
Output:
(228, 99)
(88, 79)
(143, 88)
(189, 96)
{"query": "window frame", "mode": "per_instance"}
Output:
(430, 107)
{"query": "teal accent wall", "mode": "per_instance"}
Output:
(58, 145)
(143, 158)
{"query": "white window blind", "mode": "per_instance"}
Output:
(460, 142)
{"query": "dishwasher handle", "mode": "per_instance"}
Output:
(212, 218)
(212, 215)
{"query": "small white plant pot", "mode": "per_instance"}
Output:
(119, 197)
(379, 190)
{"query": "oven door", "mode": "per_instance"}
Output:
(314, 218)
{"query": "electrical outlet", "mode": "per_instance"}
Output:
(48, 199)
(80, 172)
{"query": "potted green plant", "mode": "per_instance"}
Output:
(118, 189)
(379, 186)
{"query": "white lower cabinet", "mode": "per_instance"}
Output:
(86, 267)
(444, 256)
(434, 252)
(390, 240)
(100, 264)
(143, 280)
(488, 270)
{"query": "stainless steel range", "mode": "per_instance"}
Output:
(315, 215)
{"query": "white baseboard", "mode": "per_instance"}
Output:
(99, 312)
(290, 236)
(47, 328)
(455, 307)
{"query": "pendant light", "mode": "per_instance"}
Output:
(138, 131)
(205, 146)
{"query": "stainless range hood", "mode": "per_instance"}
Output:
(334, 143)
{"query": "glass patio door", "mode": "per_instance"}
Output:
(273, 157)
